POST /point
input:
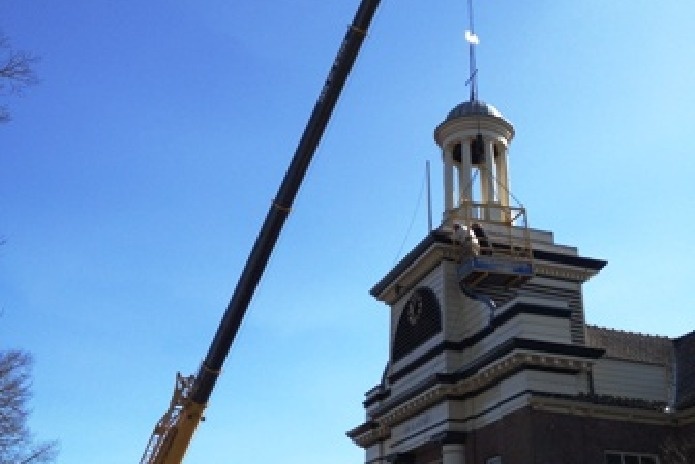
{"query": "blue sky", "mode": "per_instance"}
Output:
(134, 180)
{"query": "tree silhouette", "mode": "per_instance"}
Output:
(16, 72)
(17, 445)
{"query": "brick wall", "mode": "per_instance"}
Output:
(536, 437)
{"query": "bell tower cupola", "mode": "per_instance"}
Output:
(474, 139)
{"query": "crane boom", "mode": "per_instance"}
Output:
(175, 429)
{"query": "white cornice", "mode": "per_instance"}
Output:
(441, 251)
(563, 272)
(605, 411)
(483, 379)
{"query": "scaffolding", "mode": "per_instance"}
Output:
(496, 246)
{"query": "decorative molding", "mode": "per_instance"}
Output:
(539, 347)
(581, 406)
(380, 427)
(585, 408)
(573, 260)
(563, 272)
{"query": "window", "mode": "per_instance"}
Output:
(619, 457)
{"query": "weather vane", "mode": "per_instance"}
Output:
(472, 40)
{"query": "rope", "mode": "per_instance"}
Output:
(472, 180)
(412, 220)
(499, 184)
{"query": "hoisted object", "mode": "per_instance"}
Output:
(498, 251)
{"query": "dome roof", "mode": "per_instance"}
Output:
(471, 116)
(474, 108)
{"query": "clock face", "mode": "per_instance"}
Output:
(419, 320)
(414, 308)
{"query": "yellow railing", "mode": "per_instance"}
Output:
(504, 228)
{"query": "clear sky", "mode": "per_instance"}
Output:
(135, 178)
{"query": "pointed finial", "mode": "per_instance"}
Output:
(472, 40)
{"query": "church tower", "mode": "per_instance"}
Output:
(486, 314)
(490, 360)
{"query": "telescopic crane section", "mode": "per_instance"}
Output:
(174, 431)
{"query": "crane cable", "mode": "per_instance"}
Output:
(497, 182)
(412, 219)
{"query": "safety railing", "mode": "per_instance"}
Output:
(494, 230)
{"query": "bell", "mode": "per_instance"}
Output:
(478, 150)
(457, 153)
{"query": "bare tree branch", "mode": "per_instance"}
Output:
(16, 442)
(43, 453)
(16, 72)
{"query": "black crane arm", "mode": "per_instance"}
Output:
(174, 431)
(268, 236)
